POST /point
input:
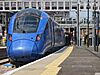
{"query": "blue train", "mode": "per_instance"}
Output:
(31, 34)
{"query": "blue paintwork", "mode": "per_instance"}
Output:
(42, 25)
(10, 31)
(25, 45)
(43, 22)
(11, 24)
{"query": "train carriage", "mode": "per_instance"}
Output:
(31, 34)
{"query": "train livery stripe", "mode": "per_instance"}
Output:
(51, 71)
(53, 68)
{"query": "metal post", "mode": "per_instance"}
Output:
(97, 31)
(42, 5)
(88, 23)
(78, 42)
(94, 25)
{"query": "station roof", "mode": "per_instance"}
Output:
(47, 0)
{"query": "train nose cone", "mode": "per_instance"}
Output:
(22, 48)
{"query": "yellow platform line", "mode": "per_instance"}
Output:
(52, 68)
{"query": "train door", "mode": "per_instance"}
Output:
(47, 36)
(57, 33)
(52, 32)
(63, 36)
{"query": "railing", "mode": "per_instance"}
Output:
(75, 22)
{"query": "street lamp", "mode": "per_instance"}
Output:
(78, 31)
(88, 7)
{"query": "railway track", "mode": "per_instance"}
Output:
(3, 53)
(5, 57)
(4, 61)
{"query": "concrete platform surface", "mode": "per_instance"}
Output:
(97, 53)
(81, 62)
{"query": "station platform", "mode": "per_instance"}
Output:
(81, 62)
(67, 61)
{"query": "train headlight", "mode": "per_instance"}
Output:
(10, 37)
(38, 37)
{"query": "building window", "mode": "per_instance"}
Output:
(39, 5)
(1, 6)
(54, 5)
(26, 5)
(67, 5)
(74, 2)
(81, 7)
(13, 5)
(19, 4)
(74, 7)
(96, 7)
(33, 4)
(6, 5)
(89, 7)
(47, 5)
(60, 5)
(67, 8)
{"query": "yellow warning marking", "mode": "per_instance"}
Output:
(51, 71)
(52, 68)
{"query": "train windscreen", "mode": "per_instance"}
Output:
(26, 23)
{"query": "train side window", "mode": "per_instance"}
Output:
(57, 33)
(47, 34)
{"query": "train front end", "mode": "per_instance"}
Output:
(22, 36)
